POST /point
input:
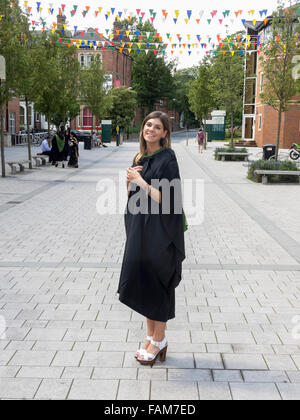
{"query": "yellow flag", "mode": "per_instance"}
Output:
(127, 33)
(186, 21)
(129, 50)
(25, 3)
(254, 22)
(232, 53)
(177, 13)
(100, 9)
(189, 36)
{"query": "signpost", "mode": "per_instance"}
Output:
(2, 77)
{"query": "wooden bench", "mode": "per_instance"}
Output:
(266, 172)
(40, 160)
(223, 154)
(13, 166)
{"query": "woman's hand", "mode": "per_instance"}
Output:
(133, 175)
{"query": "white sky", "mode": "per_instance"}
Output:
(164, 26)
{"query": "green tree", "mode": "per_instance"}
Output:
(180, 102)
(151, 74)
(57, 79)
(200, 93)
(92, 89)
(277, 64)
(228, 81)
(123, 106)
(24, 84)
(10, 33)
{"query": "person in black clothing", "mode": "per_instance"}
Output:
(59, 148)
(74, 152)
(154, 250)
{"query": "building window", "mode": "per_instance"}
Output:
(37, 117)
(261, 84)
(268, 34)
(12, 122)
(86, 60)
(22, 117)
(87, 118)
(250, 91)
(82, 60)
(260, 122)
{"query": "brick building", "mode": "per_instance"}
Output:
(260, 121)
(116, 62)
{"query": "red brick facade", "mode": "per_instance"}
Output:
(12, 116)
(265, 119)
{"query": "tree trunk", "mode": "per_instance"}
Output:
(278, 134)
(2, 141)
(28, 133)
(48, 119)
(205, 136)
(231, 140)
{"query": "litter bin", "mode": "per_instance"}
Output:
(88, 143)
(269, 150)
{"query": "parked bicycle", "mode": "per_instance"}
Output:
(295, 151)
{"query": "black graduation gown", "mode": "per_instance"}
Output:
(154, 250)
(56, 155)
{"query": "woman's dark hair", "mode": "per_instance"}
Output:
(165, 143)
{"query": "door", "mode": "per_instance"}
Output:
(248, 127)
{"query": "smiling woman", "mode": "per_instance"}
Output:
(154, 249)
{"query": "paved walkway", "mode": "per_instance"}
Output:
(68, 337)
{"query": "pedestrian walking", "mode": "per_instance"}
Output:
(73, 152)
(154, 250)
(200, 139)
(59, 148)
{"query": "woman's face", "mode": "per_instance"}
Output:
(154, 131)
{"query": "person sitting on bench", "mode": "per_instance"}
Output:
(46, 149)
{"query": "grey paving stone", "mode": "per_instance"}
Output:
(92, 389)
(77, 373)
(144, 373)
(289, 392)
(264, 376)
(115, 373)
(32, 358)
(194, 375)
(244, 362)
(235, 338)
(133, 390)
(67, 358)
(46, 334)
(5, 356)
(280, 362)
(227, 376)
(214, 391)
(40, 372)
(208, 361)
(255, 391)
(102, 359)
(18, 388)
(53, 389)
(174, 390)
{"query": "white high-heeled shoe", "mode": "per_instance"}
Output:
(146, 358)
(141, 350)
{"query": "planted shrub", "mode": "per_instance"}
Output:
(230, 150)
(272, 165)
